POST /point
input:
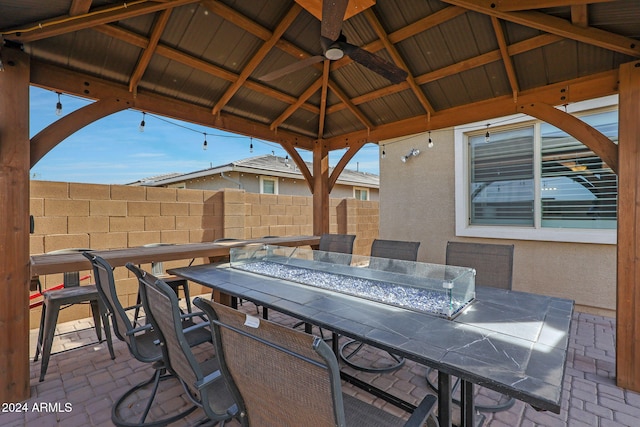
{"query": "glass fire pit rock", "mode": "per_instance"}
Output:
(442, 290)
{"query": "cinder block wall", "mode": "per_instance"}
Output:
(71, 215)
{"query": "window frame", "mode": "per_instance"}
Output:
(363, 190)
(264, 178)
(462, 168)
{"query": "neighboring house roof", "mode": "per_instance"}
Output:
(268, 164)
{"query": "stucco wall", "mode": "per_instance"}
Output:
(417, 203)
(70, 215)
(286, 186)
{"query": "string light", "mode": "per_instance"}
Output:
(430, 144)
(142, 123)
(204, 144)
(382, 156)
(251, 145)
(487, 136)
(58, 106)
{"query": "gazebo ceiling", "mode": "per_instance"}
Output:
(466, 60)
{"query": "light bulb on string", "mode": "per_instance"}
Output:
(251, 146)
(487, 136)
(383, 154)
(430, 142)
(204, 144)
(58, 106)
(142, 123)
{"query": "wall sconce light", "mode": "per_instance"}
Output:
(412, 153)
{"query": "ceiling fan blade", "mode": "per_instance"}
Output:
(375, 63)
(291, 68)
(332, 15)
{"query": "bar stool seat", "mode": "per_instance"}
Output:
(53, 302)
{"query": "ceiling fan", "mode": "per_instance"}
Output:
(335, 46)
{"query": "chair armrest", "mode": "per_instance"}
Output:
(422, 412)
(139, 329)
(195, 327)
(200, 314)
(208, 379)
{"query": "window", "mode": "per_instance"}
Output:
(530, 180)
(268, 185)
(360, 193)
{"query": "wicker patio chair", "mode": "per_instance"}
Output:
(284, 377)
(202, 381)
(383, 252)
(143, 344)
(494, 268)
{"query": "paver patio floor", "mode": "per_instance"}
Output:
(82, 384)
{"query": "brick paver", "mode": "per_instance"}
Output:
(82, 384)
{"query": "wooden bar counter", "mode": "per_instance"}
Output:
(60, 263)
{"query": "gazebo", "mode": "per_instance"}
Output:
(318, 76)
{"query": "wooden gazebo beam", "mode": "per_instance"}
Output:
(14, 227)
(628, 280)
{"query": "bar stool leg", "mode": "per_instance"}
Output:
(40, 332)
(50, 321)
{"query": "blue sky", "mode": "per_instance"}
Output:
(113, 150)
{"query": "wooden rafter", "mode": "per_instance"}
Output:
(79, 7)
(236, 18)
(558, 26)
(350, 105)
(145, 58)
(580, 15)
(576, 90)
(506, 59)
(258, 57)
(313, 88)
(323, 98)
(458, 67)
(411, 30)
(397, 58)
(198, 64)
(65, 24)
(513, 5)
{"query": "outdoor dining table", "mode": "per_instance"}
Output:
(512, 342)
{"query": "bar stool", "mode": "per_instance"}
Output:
(54, 301)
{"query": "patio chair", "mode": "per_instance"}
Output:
(142, 342)
(56, 300)
(493, 264)
(284, 377)
(383, 252)
(202, 381)
(335, 243)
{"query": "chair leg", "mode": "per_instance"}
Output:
(50, 321)
(40, 332)
(107, 328)
(97, 323)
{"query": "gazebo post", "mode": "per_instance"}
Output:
(14, 226)
(628, 281)
(320, 189)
